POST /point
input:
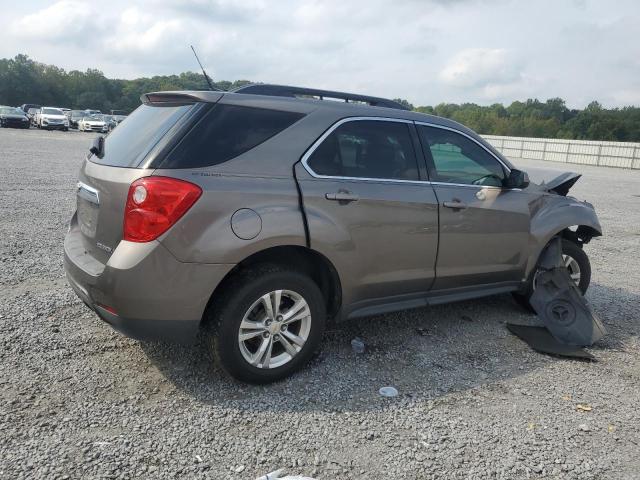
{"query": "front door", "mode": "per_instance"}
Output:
(369, 211)
(484, 228)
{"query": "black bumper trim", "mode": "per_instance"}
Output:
(175, 331)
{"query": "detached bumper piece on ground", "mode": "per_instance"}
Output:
(570, 322)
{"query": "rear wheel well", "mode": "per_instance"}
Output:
(297, 258)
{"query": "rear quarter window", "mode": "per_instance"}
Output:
(225, 132)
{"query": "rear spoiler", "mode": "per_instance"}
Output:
(179, 98)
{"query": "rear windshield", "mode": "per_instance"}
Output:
(225, 132)
(127, 145)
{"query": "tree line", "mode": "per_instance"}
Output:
(23, 80)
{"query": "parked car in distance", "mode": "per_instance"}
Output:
(25, 107)
(108, 119)
(93, 123)
(75, 116)
(118, 119)
(13, 117)
(256, 216)
(113, 121)
(31, 115)
(51, 118)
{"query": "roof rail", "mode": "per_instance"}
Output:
(287, 91)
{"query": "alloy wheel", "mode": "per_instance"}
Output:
(274, 329)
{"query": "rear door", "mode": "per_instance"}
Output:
(370, 210)
(484, 228)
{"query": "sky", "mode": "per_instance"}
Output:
(426, 51)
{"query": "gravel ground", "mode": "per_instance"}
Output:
(78, 400)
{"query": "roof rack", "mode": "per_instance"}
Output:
(286, 91)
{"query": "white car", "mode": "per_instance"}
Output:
(93, 123)
(51, 118)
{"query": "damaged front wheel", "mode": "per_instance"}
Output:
(576, 261)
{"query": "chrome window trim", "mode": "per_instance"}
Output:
(316, 144)
(330, 130)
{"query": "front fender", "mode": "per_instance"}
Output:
(550, 215)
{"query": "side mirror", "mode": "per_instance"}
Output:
(517, 179)
(97, 148)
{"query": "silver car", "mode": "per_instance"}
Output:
(259, 215)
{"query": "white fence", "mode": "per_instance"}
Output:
(586, 152)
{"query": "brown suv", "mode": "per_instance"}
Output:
(257, 215)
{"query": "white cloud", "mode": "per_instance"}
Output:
(63, 21)
(428, 51)
(481, 67)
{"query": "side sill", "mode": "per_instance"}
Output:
(404, 302)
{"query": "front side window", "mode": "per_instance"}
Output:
(367, 149)
(458, 159)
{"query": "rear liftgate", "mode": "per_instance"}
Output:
(570, 322)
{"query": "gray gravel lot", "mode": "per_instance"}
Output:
(78, 400)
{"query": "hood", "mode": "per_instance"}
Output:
(52, 116)
(13, 115)
(552, 180)
(94, 122)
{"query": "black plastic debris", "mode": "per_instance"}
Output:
(568, 318)
(541, 340)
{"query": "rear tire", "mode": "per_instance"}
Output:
(571, 250)
(235, 331)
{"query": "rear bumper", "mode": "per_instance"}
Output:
(142, 291)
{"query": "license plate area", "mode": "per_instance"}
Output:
(88, 206)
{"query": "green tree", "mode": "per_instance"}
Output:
(23, 80)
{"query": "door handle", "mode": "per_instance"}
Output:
(455, 204)
(345, 197)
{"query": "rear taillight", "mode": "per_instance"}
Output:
(154, 204)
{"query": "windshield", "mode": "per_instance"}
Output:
(10, 111)
(95, 118)
(52, 111)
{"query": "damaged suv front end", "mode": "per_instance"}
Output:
(554, 214)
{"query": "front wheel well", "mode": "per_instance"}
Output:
(301, 259)
(580, 234)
